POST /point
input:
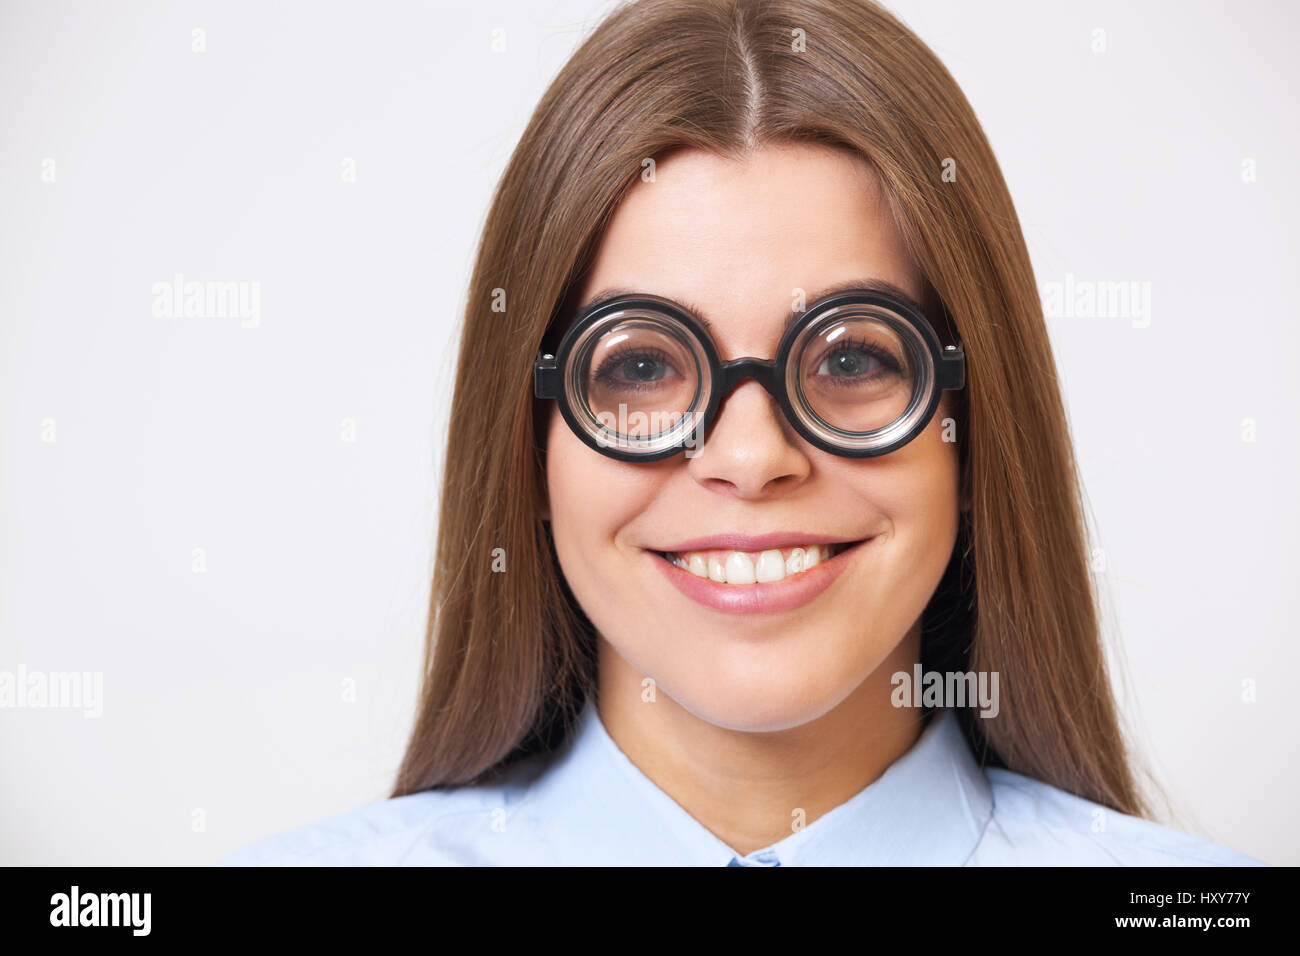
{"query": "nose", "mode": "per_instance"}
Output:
(750, 450)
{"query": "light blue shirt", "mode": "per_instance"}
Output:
(588, 804)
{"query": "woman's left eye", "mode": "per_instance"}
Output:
(850, 362)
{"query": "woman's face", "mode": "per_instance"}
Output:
(735, 241)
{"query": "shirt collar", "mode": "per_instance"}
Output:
(928, 808)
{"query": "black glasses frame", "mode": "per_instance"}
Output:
(948, 364)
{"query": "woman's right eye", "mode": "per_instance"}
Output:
(635, 369)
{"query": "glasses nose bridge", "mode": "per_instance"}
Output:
(735, 372)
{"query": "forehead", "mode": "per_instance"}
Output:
(735, 239)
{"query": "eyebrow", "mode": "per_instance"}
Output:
(870, 285)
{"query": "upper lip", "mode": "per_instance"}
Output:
(760, 542)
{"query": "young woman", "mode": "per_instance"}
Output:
(761, 540)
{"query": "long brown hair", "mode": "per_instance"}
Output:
(510, 656)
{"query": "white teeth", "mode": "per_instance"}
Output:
(740, 570)
(739, 567)
(770, 566)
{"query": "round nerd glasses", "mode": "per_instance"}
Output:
(858, 374)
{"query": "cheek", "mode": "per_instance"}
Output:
(914, 491)
(595, 496)
(568, 484)
(920, 490)
(592, 500)
(929, 494)
(920, 493)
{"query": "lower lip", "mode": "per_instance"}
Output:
(766, 598)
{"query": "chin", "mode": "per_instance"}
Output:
(782, 701)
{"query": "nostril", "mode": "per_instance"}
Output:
(780, 481)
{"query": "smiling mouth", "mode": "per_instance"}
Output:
(746, 568)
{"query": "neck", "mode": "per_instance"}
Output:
(748, 787)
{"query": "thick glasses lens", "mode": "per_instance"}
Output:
(639, 378)
(859, 376)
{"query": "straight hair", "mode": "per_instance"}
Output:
(510, 657)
